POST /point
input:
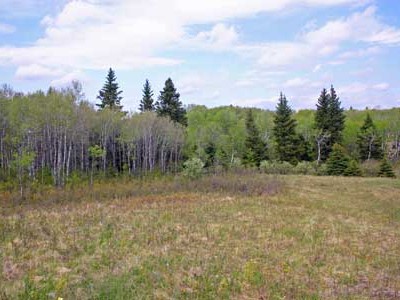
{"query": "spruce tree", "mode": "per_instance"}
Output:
(256, 148)
(338, 161)
(147, 102)
(329, 120)
(386, 169)
(109, 95)
(353, 169)
(285, 132)
(322, 119)
(368, 141)
(336, 118)
(169, 104)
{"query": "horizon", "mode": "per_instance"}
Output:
(218, 53)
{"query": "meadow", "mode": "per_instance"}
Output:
(234, 236)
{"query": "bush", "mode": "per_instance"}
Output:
(370, 168)
(353, 169)
(386, 169)
(275, 167)
(338, 161)
(193, 168)
(306, 168)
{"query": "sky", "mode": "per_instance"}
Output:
(218, 52)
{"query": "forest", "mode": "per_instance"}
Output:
(58, 137)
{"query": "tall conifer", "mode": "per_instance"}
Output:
(169, 104)
(147, 102)
(110, 95)
(285, 132)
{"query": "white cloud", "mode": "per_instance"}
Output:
(381, 86)
(95, 34)
(296, 82)
(36, 71)
(6, 28)
(220, 37)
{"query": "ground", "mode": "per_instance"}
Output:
(247, 236)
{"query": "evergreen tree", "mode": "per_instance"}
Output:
(338, 161)
(368, 140)
(322, 120)
(336, 118)
(256, 148)
(285, 132)
(353, 169)
(109, 95)
(168, 104)
(386, 169)
(147, 102)
(330, 121)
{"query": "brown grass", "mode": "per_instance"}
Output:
(224, 237)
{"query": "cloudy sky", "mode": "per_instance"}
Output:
(218, 52)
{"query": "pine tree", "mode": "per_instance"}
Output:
(338, 161)
(168, 104)
(336, 118)
(368, 140)
(353, 169)
(256, 148)
(322, 120)
(285, 132)
(330, 121)
(386, 169)
(109, 95)
(147, 102)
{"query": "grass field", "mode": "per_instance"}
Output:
(229, 237)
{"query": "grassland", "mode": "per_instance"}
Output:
(247, 236)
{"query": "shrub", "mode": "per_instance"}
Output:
(338, 161)
(370, 168)
(275, 167)
(353, 169)
(386, 169)
(306, 168)
(193, 168)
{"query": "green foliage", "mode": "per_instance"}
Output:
(147, 102)
(285, 132)
(256, 148)
(109, 95)
(386, 169)
(96, 152)
(353, 169)
(169, 104)
(306, 168)
(369, 141)
(193, 168)
(276, 167)
(329, 120)
(338, 161)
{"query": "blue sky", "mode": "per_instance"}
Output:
(218, 52)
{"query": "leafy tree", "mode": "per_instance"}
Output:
(368, 140)
(193, 168)
(386, 169)
(109, 95)
(147, 102)
(169, 104)
(285, 132)
(96, 153)
(353, 169)
(256, 149)
(338, 161)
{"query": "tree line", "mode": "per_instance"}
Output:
(55, 136)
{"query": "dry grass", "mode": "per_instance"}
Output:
(249, 237)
